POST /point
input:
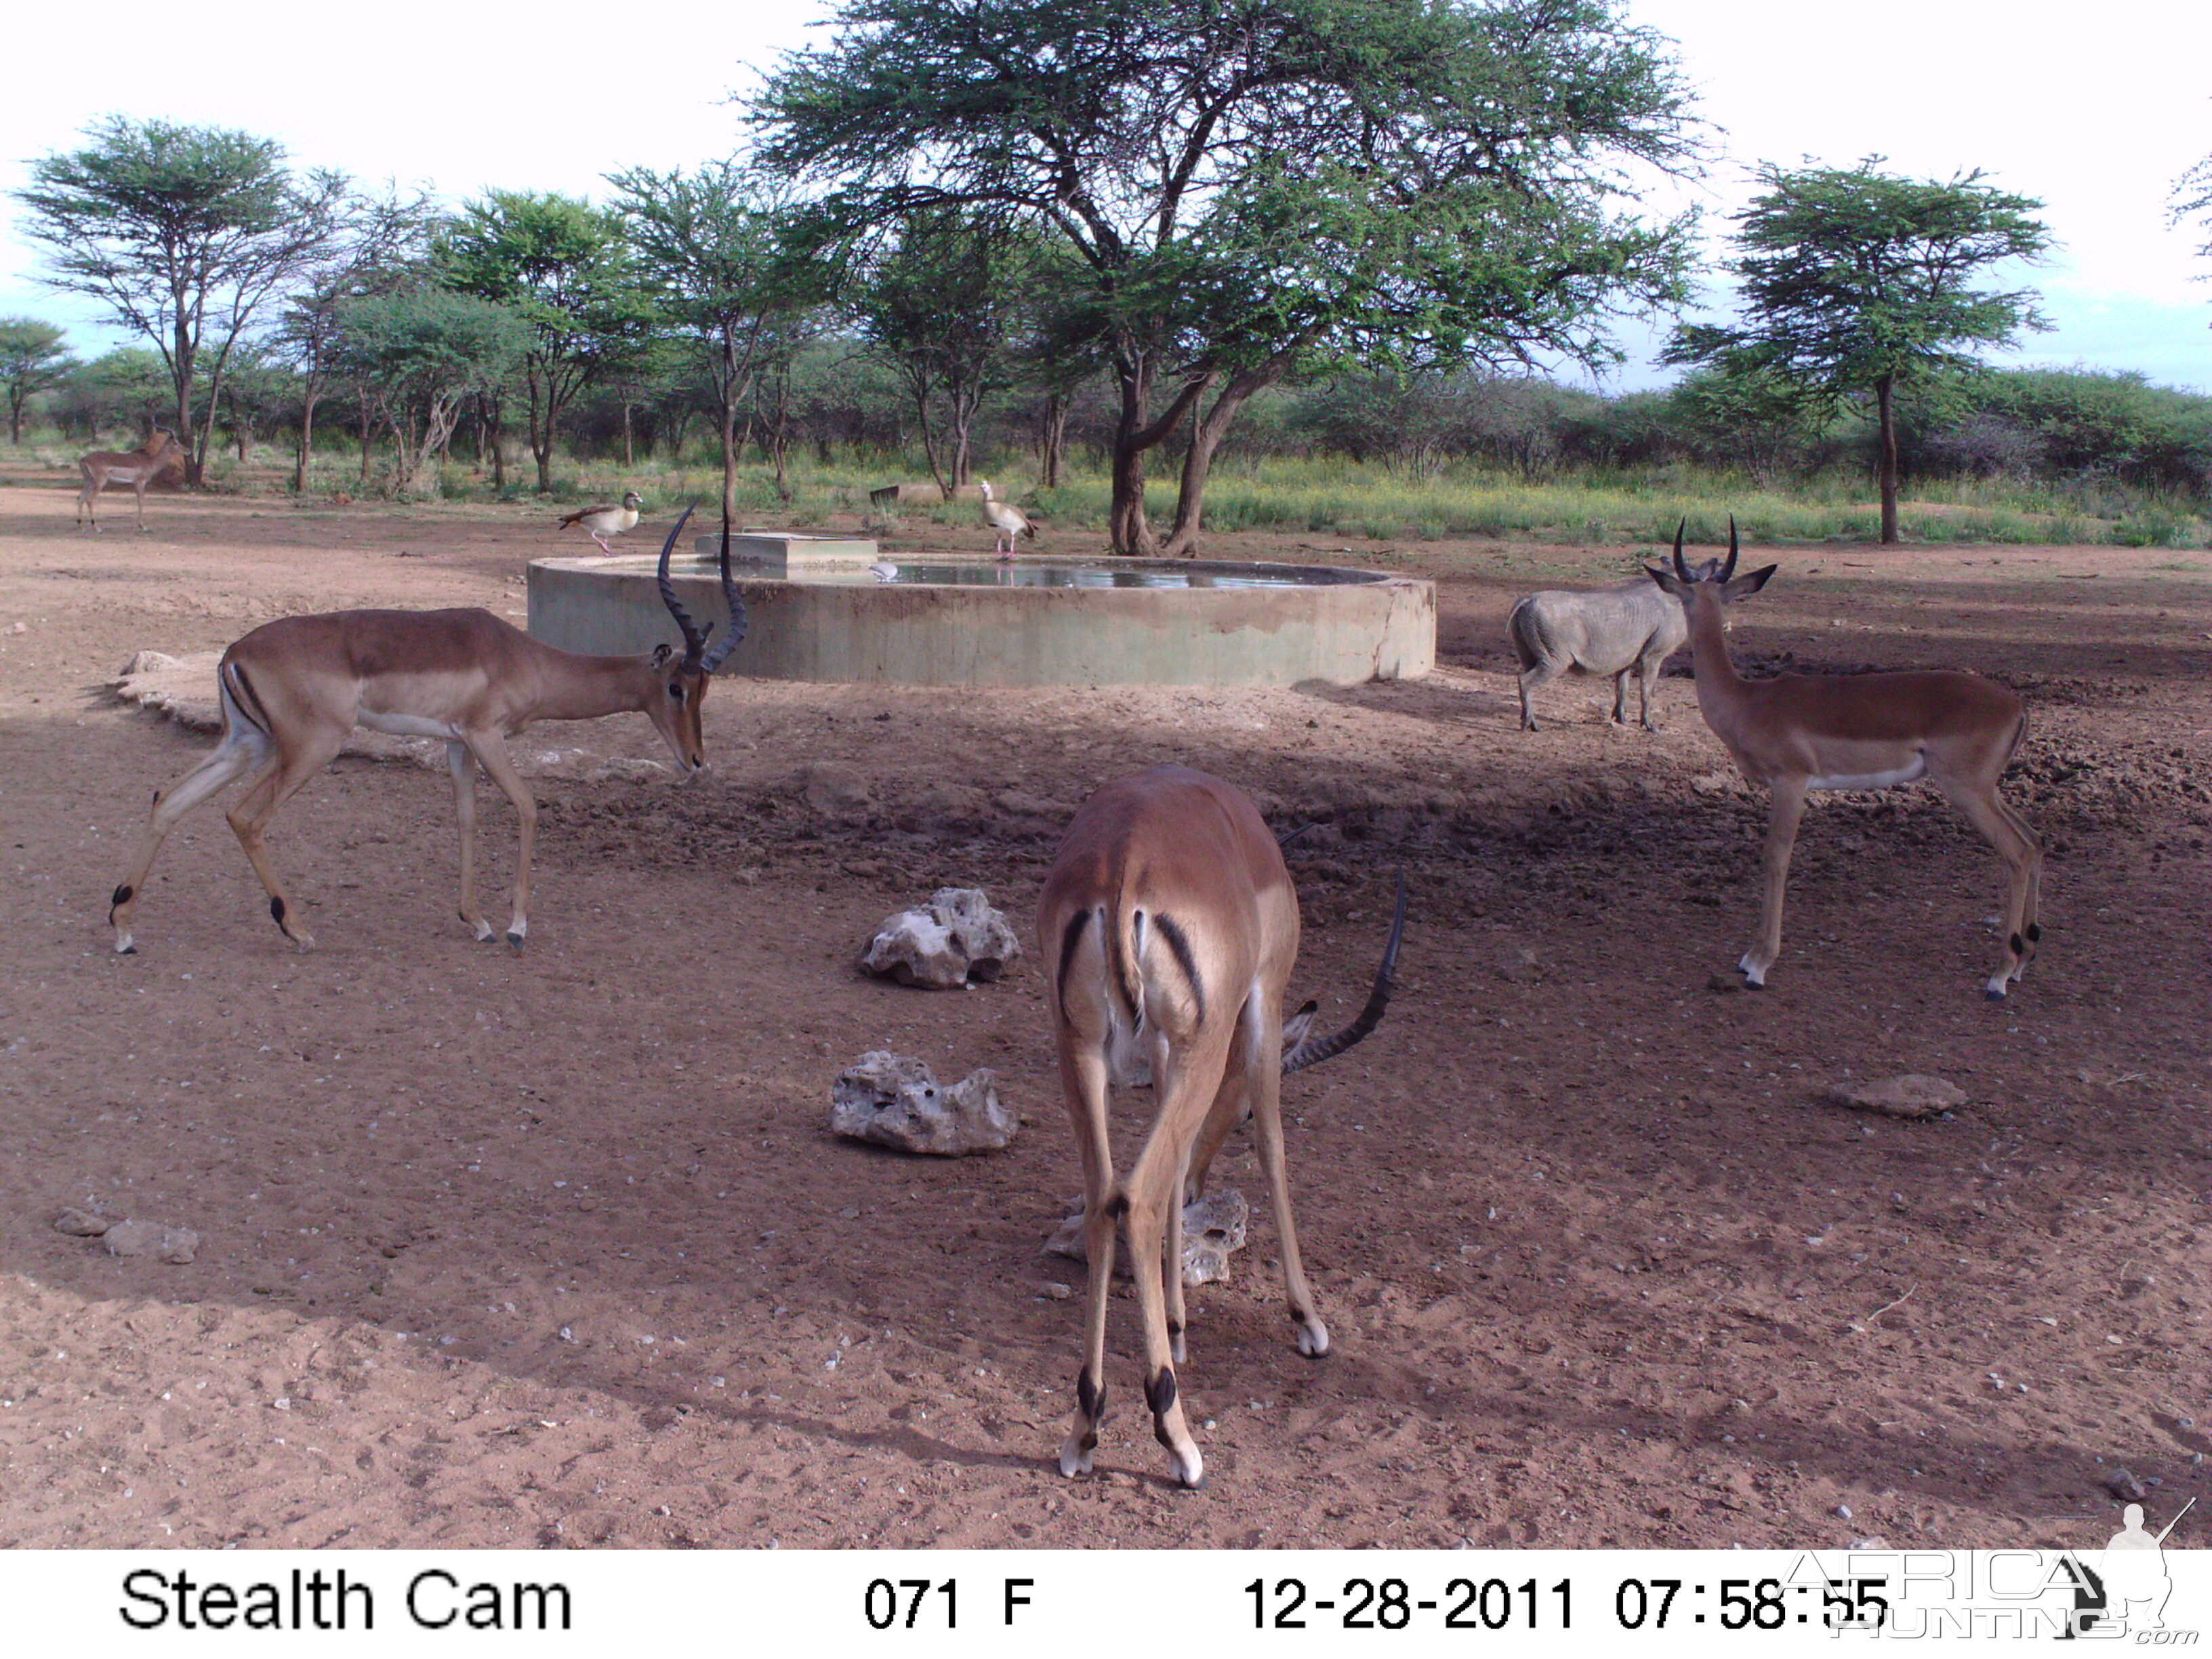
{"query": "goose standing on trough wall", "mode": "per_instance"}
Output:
(604, 520)
(1006, 520)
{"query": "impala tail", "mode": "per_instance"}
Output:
(1315, 1050)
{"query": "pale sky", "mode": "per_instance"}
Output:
(2096, 110)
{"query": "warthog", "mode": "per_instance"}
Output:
(1609, 630)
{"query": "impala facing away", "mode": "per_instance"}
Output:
(1796, 733)
(137, 468)
(293, 689)
(1172, 920)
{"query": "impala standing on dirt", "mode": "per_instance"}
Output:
(1173, 926)
(1797, 732)
(136, 467)
(293, 689)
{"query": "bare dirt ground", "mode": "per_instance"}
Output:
(555, 1248)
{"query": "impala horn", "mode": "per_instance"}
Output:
(695, 653)
(1312, 1053)
(1728, 569)
(715, 659)
(1682, 569)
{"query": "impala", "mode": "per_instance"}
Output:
(137, 468)
(293, 689)
(1797, 732)
(1173, 926)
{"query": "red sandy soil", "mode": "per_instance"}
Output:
(554, 1247)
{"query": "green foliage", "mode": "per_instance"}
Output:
(183, 232)
(565, 268)
(32, 359)
(1853, 277)
(423, 351)
(1261, 188)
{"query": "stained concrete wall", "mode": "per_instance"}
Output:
(1343, 633)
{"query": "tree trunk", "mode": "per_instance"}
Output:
(541, 430)
(1884, 390)
(1051, 440)
(368, 432)
(1133, 437)
(629, 459)
(307, 446)
(15, 416)
(727, 434)
(1206, 435)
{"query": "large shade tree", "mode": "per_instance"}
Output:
(185, 234)
(1856, 282)
(1256, 188)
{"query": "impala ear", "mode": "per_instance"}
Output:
(1742, 587)
(1296, 1027)
(1666, 579)
(661, 654)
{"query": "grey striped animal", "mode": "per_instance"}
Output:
(1609, 630)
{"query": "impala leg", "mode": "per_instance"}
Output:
(1154, 1189)
(1620, 697)
(1083, 1080)
(142, 506)
(1774, 872)
(462, 765)
(251, 817)
(1172, 1265)
(1267, 1084)
(2022, 849)
(241, 750)
(491, 755)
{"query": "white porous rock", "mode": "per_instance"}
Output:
(897, 1101)
(1213, 1228)
(956, 938)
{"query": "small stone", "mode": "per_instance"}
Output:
(897, 1101)
(835, 789)
(1053, 1290)
(956, 938)
(1517, 966)
(82, 1223)
(177, 1245)
(1725, 983)
(1911, 1096)
(1214, 1227)
(1843, 1511)
(2123, 1485)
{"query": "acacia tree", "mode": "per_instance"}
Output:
(720, 261)
(184, 233)
(422, 352)
(1260, 187)
(565, 266)
(378, 245)
(940, 304)
(1858, 282)
(32, 358)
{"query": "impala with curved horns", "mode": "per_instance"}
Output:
(1172, 919)
(1797, 732)
(293, 689)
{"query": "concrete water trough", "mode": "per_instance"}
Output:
(822, 610)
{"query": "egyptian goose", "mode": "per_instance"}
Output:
(602, 521)
(1006, 520)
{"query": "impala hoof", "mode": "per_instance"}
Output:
(1993, 993)
(123, 947)
(1313, 1338)
(1075, 1459)
(514, 940)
